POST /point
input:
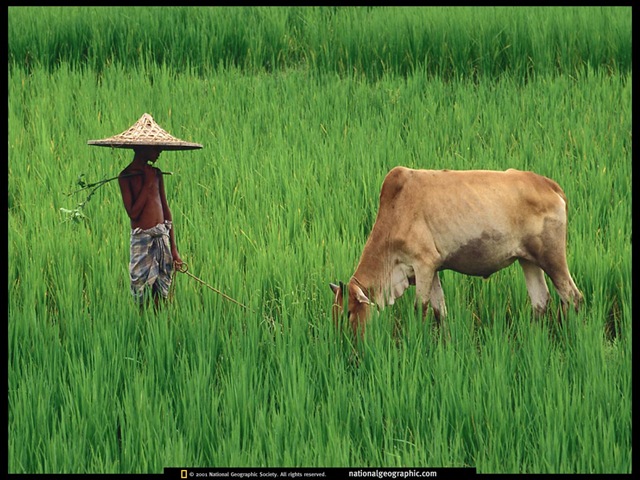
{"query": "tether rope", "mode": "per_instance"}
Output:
(184, 268)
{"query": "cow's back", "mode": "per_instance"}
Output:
(449, 209)
(457, 194)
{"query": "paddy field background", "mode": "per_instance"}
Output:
(302, 112)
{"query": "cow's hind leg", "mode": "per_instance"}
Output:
(536, 286)
(553, 260)
(564, 284)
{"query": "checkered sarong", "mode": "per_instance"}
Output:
(151, 263)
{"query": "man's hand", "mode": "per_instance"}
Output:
(177, 261)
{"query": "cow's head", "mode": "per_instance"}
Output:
(357, 310)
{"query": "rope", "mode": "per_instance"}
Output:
(364, 290)
(183, 268)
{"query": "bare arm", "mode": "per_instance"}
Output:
(168, 217)
(134, 209)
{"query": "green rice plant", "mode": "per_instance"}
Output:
(371, 42)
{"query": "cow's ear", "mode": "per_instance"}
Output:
(337, 288)
(338, 293)
(361, 297)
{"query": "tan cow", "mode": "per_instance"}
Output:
(474, 222)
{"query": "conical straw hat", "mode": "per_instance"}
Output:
(145, 132)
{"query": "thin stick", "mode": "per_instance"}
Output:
(102, 182)
(183, 268)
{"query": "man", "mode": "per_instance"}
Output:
(153, 248)
(153, 251)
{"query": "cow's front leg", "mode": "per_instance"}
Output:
(424, 282)
(437, 299)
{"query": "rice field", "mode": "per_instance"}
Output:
(302, 112)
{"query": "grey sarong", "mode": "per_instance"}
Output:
(151, 263)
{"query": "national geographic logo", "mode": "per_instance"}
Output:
(316, 473)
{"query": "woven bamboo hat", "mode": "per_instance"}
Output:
(145, 133)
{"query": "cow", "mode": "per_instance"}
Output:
(474, 222)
